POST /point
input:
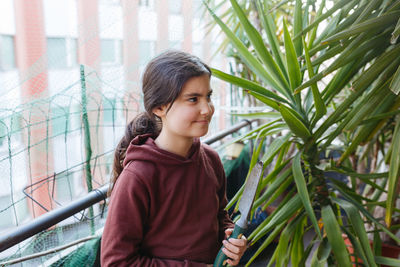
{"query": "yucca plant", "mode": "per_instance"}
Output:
(335, 89)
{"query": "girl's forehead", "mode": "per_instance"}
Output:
(197, 83)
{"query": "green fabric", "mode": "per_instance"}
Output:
(84, 256)
(236, 171)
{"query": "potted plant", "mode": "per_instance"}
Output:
(332, 78)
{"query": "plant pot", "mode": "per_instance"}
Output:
(390, 251)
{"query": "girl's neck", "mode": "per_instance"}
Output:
(178, 146)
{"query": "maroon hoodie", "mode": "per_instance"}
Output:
(165, 209)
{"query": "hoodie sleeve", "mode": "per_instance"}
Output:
(124, 228)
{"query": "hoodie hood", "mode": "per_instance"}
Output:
(143, 148)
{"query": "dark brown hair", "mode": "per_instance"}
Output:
(162, 83)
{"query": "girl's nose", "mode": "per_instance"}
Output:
(207, 108)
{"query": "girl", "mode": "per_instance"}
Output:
(168, 189)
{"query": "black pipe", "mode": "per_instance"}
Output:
(53, 217)
(226, 132)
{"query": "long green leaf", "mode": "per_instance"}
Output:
(387, 261)
(363, 108)
(377, 23)
(395, 33)
(274, 148)
(321, 254)
(303, 192)
(278, 193)
(258, 43)
(285, 210)
(350, 172)
(257, 115)
(352, 51)
(270, 28)
(294, 123)
(337, 6)
(267, 241)
(297, 250)
(247, 84)
(393, 175)
(273, 186)
(393, 106)
(335, 238)
(366, 105)
(360, 86)
(357, 203)
(284, 247)
(291, 60)
(356, 50)
(298, 27)
(358, 252)
(359, 228)
(251, 61)
(347, 72)
(314, 30)
(271, 103)
(364, 132)
(395, 84)
(320, 108)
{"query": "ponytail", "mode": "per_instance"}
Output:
(141, 124)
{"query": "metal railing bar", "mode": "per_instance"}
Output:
(53, 217)
(227, 132)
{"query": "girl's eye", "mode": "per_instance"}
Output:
(193, 99)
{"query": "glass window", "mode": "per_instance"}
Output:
(146, 50)
(107, 51)
(72, 52)
(175, 6)
(7, 52)
(56, 53)
(109, 110)
(111, 51)
(59, 119)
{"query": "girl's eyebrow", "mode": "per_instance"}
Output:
(196, 94)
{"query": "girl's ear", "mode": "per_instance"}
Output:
(160, 111)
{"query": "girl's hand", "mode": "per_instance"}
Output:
(234, 248)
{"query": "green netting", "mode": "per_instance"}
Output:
(60, 130)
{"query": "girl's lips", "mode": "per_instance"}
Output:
(202, 121)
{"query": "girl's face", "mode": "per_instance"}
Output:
(191, 113)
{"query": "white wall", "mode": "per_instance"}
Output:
(147, 25)
(60, 18)
(7, 17)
